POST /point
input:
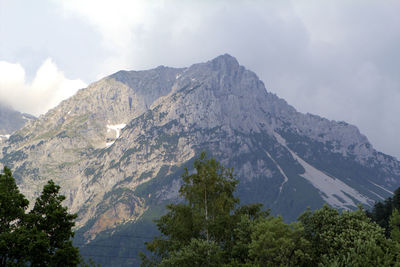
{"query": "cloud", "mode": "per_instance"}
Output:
(144, 33)
(48, 88)
(338, 59)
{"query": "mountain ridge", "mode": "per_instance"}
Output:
(118, 147)
(11, 120)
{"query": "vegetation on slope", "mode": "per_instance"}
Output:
(210, 229)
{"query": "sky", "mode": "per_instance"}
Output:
(339, 59)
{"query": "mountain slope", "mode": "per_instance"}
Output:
(118, 147)
(11, 120)
(57, 145)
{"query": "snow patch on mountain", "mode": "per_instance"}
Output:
(390, 192)
(335, 192)
(117, 128)
(281, 171)
(379, 196)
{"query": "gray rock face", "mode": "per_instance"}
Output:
(118, 147)
(11, 120)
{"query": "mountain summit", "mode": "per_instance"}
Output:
(118, 147)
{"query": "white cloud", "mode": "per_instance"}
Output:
(48, 88)
(143, 34)
(122, 23)
(334, 58)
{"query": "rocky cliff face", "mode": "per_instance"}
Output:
(118, 147)
(11, 120)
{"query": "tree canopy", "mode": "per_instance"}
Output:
(382, 211)
(202, 228)
(41, 237)
(209, 228)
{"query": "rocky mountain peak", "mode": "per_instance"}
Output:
(124, 141)
(224, 69)
(224, 62)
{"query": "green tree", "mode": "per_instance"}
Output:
(209, 193)
(12, 213)
(275, 243)
(51, 219)
(394, 224)
(395, 235)
(204, 222)
(382, 211)
(349, 238)
(198, 252)
(41, 237)
(209, 229)
(243, 220)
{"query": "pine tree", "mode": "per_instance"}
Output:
(12, 213)
(50, 218)
(41, 237)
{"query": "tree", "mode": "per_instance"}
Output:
(12, 213)
(209, 228)
(203, 226)
(198, 252)
(41, 237)
(394, 224)
(395, 235)
(274, 243)
(382, 211)
(349, 238)
(209, 193)
(50, 218)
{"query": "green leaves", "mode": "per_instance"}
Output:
(209, 192)
(209, 229)
(274, 243)
(12, 203)
(49, 216)
(198, 252)
(346, 239)
(41, 237)
(394, 224)
(382, 211)
(12, 215)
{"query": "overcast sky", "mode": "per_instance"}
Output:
(338, 59)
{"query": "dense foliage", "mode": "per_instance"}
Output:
(41, 237)
(210, 229)
(382, 211)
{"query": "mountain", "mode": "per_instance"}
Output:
(11, 120)
(118, 148)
